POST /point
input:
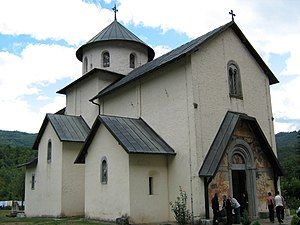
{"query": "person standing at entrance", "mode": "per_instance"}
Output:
(228, 208)
(215, 207)
(270, 205)
(279, 207)
(237, 213)
(244, 203)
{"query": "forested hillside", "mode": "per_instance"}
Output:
(15, 149)
(16, 139)
(288, 151)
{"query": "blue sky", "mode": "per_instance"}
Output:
(38, 43)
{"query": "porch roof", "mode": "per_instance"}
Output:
(217, 149)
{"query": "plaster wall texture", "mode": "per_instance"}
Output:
(146, 208)
(211, 89)
(30, 195)
(100, 199)
(77, 98)
(119, 55)
(161, 100)
(45, 200)
(72, 181)
(122, 103)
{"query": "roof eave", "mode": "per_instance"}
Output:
(79, 52)
(251, 49)
(268, 150)
(85, 76)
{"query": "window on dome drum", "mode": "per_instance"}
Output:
(132, 60)
(85, 65)
(49, 151)
(234, 79)
(105, 59)
(32, 181)
(103, 171)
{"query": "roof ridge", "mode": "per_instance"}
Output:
(181, 51)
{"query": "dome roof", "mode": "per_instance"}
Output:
(115, 31)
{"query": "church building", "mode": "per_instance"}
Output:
(135, 129)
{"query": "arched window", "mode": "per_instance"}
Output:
(85, 65)
(49, 151)
(132, 60)
(103, 171)
(234, 79)
(105, 59)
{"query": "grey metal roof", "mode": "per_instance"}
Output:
(222, 139)
(32, 162)
(115, 31)
(68, 128)
(134, 135)
(182, 51)
(94, 71)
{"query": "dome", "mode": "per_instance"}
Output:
(115, 31)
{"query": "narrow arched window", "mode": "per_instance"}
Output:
(132, 60)
(104, 171)
(105, 59)
(234, 79)
(85, 64)
(49, 151)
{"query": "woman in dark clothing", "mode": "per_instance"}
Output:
(244, 203)
(228, 208)
(215, 207)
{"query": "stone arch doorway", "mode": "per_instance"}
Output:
(242, 175)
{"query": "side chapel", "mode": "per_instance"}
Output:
(135, 129)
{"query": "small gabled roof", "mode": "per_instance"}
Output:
(134, 135)
(222, 139)
(87, 75)
(115, 31)
(183, 50)
(68, 128)
(32, 162)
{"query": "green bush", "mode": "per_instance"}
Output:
(295, 220)
(256, 222)
(245, 218)
(179, 208)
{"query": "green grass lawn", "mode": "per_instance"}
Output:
(40, 221)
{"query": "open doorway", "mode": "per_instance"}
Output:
(239, 188)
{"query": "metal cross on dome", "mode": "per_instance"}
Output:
(115, 10)
(232, 15)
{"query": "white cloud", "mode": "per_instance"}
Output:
(285, 102)
(37, 66)
(71, 20)
(43, 98)
(192, 18)
(161, 49)
(17, 114)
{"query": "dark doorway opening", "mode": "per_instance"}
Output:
(239, 185)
